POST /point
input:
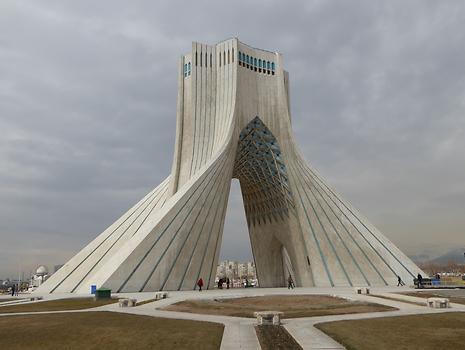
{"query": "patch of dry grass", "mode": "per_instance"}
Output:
(431, 294)
(293, 306)
(57, 305)
(106, 331)
(426, 332)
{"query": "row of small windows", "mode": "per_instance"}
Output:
(201, 59)
(227, 57)
(187, 69)
(256, 64)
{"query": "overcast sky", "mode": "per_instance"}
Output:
(88, 109)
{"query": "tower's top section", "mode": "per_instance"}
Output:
(231, 51)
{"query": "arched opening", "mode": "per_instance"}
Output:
(236, 259)
(263, 193)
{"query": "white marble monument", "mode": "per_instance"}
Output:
(234, 121)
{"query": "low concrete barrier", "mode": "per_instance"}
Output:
(362, 290)
(161, 295)
(438, 303)
(127, 302)
(268, 317)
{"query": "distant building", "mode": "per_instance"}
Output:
(40, 276)
(237, 272)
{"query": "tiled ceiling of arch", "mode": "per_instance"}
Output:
(262, 175)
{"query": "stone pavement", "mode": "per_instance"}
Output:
(239, 333)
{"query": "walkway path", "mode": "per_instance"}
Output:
(239, 333)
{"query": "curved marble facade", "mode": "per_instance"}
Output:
(233, 120)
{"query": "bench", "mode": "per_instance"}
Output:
(268, 317)
(161, 295)
(362, 290)
(127, 302)
(438, 303)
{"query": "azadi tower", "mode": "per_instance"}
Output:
(234, 121)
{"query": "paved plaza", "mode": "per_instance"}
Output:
(239, 333)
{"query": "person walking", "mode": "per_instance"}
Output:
(420, 280)
(13, 290)
(290, 282)
(200, 284)
(227, 283)
(400, 283)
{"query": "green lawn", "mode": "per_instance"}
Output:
(106, 331)
(57, 305)
(425, 332)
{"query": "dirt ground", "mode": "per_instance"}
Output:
(105, 331)
(57, 305)
(425, 332)
(443, 294)
(293, 306)
(276, 338)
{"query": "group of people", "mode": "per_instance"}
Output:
(221, 281)
(291, 285)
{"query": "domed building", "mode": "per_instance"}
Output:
(40, 276)
(42, 270)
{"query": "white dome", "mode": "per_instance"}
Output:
(41, 270)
